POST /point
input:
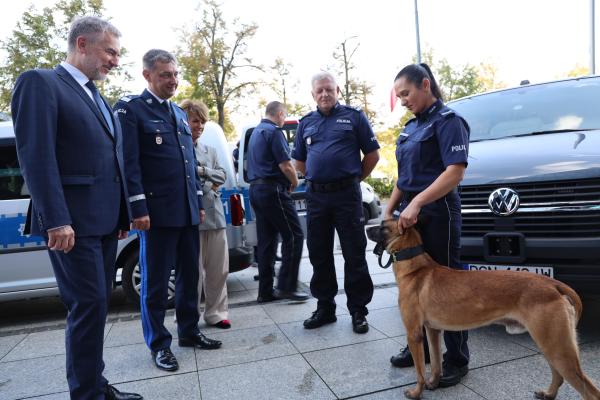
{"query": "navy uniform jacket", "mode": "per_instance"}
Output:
(430, 142)
(159, 162)
(267, 149)
(72, 163)
(331, 144)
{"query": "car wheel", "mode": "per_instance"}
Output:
(366, 213)
(131, 279)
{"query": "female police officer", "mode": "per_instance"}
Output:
(432, 157)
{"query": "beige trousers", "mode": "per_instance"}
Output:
(214, 268)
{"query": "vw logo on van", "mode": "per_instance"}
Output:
(503, 201)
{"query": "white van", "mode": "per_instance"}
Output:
(25, 269)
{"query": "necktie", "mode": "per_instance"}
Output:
(167, 106)
(101, 105)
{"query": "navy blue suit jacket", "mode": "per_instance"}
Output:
(72, 163)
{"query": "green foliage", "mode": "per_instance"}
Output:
(212, 55)
(382, 186)
(455, 82)
(39, 40)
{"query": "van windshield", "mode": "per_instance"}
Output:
(547, 108)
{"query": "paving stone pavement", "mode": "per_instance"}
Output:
(268, 355)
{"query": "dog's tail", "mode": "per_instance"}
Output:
(573, 299)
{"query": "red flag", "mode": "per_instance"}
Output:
(393, 99)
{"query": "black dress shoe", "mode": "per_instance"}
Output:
(451, 374)
(404, 358)
(165, 360)
(111, 393)
(320, 318)
(266, 298)
(359, 323)
(200, 341)
(295, 296)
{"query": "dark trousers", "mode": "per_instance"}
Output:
(84, 277)
(161, 249)
(440, 224)
(276, 215)
(339, 211)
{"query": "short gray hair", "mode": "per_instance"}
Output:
(157, 55)
(321, 76)
(90, 27)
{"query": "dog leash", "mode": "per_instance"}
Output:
(378, 251)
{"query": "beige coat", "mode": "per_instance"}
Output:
(210, 173)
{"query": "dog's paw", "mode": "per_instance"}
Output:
(432, 383)
(540, 394)
(412, 393)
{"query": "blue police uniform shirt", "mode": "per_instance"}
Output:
(331, 144)
(267, 148)
(430, 142)
(159, 161)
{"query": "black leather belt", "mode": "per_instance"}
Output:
(266, 181)
(332, 186)
(408, 196)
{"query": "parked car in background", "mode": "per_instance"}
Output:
(25, 269)
(370, 199)
(531, 192)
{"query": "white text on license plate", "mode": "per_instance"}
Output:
(300, 205)
(548, 271)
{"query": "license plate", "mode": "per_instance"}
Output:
(548, 271)
(300, 205)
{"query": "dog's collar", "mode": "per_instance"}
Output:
(406, 254)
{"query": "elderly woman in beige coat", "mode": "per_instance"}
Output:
(214, 252)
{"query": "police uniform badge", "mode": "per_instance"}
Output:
(158, 139)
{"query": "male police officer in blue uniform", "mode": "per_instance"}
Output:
(272, 177)
(165, 196)
(327, 150)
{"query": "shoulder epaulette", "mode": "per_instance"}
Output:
(447, 113)
(307, 115)
(129, 97)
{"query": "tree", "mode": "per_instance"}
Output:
(37, 42)
(212, 57)
(578, 70)
(354, 91)
(281, 86)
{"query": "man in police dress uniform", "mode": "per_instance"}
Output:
(327, 149)
(165, 197)
(272, 177)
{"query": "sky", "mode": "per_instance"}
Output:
(538, 40)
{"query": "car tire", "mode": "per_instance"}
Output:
(366, 213)
(131, 279)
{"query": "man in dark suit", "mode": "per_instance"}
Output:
(165, 196)
(70, 152)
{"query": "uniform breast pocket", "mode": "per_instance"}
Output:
(428, 148)
(313, 142)
(157, 132)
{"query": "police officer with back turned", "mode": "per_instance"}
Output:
(165, 197)
(272, 177)
(328, 147)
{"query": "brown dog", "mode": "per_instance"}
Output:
(438, 298)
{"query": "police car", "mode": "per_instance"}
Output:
(370, 200)
(25, 268)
